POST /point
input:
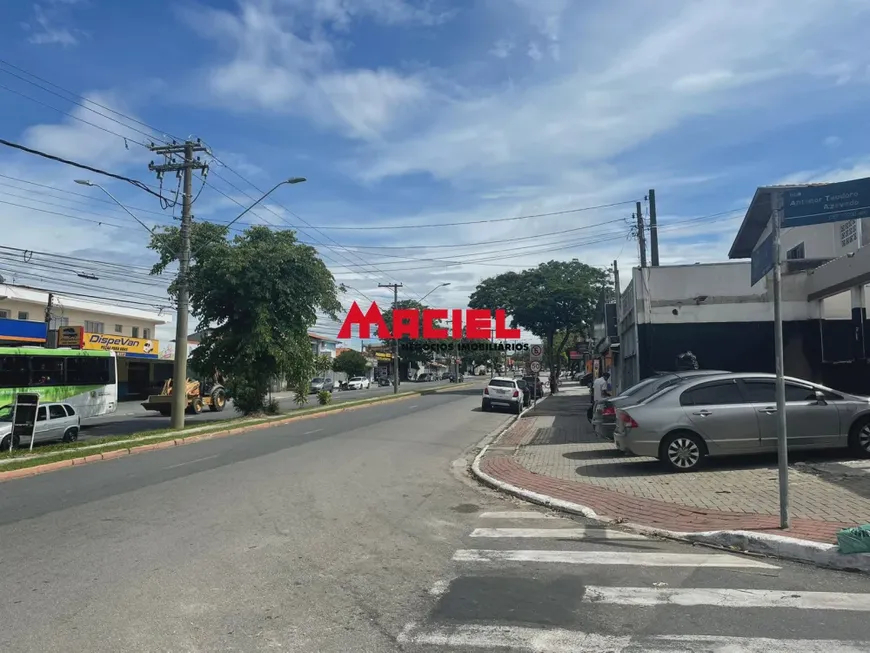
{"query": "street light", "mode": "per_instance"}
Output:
(85, 182)
(292, 180)
(440, 285)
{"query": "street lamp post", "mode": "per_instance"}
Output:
(440, 285)
(85, 182)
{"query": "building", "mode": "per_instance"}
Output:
(90, 325)
(716, 311)
(323, 345)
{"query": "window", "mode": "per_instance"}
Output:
(146, 333)
(58, 322)
(720, 393)
(134, 331)
(497, 383)
(40, 416)
(4, 315)
(796, 252)
(90, 371)
(848, 232)
(23, 315)
(94, 327)
(70, 410)
(56, 411)
(46, 370)
(119, 328)
(14, 372)
(760, 391)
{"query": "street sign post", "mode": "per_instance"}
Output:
(536, 352)
(535, 366)
(781, 432)
(24, 412)
(839, 202)
(762, 259)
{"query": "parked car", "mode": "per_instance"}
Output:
(54, 421)
(736, 414)
(358, 383)
(319, 384)
(384, 381)
(536, 385)
(604, 411)
(527, 391)
(502, 392)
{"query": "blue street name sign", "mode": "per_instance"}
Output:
(762, 259)
(846, 200)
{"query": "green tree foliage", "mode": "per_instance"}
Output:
(255, 297)
(555, 301)
(323, 363)
(350, 362)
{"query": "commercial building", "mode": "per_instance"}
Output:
(716, 311)
(74, 322)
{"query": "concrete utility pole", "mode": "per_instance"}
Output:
(641, 235)
(395, 287)
(617, 382)
(187, 166)
(653, 229)
(48, 306)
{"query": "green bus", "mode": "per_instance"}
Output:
(85, 379)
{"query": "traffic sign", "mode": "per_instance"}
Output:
(846, 200)
(536, 352)
(535, 366)
(762, 260)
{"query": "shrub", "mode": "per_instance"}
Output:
(324, 397)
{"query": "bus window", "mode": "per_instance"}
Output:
(90, 370)
(14, 372)
(46, 370)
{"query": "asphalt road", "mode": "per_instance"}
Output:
(359, 532)
(132, 418)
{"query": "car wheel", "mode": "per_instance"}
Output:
(682, 451)
(484, 406)
(519, 408)
(71, 435)
(4, 445)
(859, 438)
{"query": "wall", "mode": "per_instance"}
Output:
(77, 317)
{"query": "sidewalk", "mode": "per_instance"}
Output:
(552, 451)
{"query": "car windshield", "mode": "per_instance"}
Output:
(357, 378)
(646, 384)
(317, 380)
(498, 383)
(6, 413)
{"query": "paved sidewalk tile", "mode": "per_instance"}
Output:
(556, 453)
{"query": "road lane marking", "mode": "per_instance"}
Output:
(732, 598)
(518, 514)
(313, 432)
(557, 533)
(641, 559)
(414, 406)
(190, 462)
(558, 640)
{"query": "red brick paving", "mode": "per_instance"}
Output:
(646, 512)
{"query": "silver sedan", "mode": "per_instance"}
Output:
(731, 414)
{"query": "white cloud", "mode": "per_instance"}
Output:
(48, 28)
(502, 48)
(277, 64)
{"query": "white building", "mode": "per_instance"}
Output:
(129, 332)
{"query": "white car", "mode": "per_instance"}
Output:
(358, 383)
(54, 421)
(502, 392)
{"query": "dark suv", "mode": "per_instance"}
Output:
(535, 385)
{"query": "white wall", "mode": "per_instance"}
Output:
(77, 317)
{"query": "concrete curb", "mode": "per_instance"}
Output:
(199, 437)
(778, 546)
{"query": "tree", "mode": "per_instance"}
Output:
(255, 297)
(323, 363)
(350, 362)
(554, 301)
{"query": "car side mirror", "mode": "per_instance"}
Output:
(820, 398)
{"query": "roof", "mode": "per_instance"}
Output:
(314, 336)
(37, 296)
(757, 218)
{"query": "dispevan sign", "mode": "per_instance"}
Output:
(134, 347)
(477, 324)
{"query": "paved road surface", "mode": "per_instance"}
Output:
(132, 418)
(356, 532)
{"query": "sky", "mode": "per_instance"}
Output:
(443, 141)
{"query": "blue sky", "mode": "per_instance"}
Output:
(428, 113)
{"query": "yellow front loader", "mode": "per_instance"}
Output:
(215, 399)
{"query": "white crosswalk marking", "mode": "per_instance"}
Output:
(557, 640)
(519, 514)
(557, 533)
(647, 559)
(742, 598)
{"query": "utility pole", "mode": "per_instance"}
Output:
(395, 287)
(653, 229)
(641, 235)
(781, 423)
(617, 382)
(187, 166)
(48, 306)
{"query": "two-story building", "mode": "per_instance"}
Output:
(33, 317)
(323, 345)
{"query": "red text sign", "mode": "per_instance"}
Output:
(480, 324)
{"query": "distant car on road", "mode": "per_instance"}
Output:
(502, 392)
(320, 384)
(358, 383)
(54, 421)
(725, 414)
